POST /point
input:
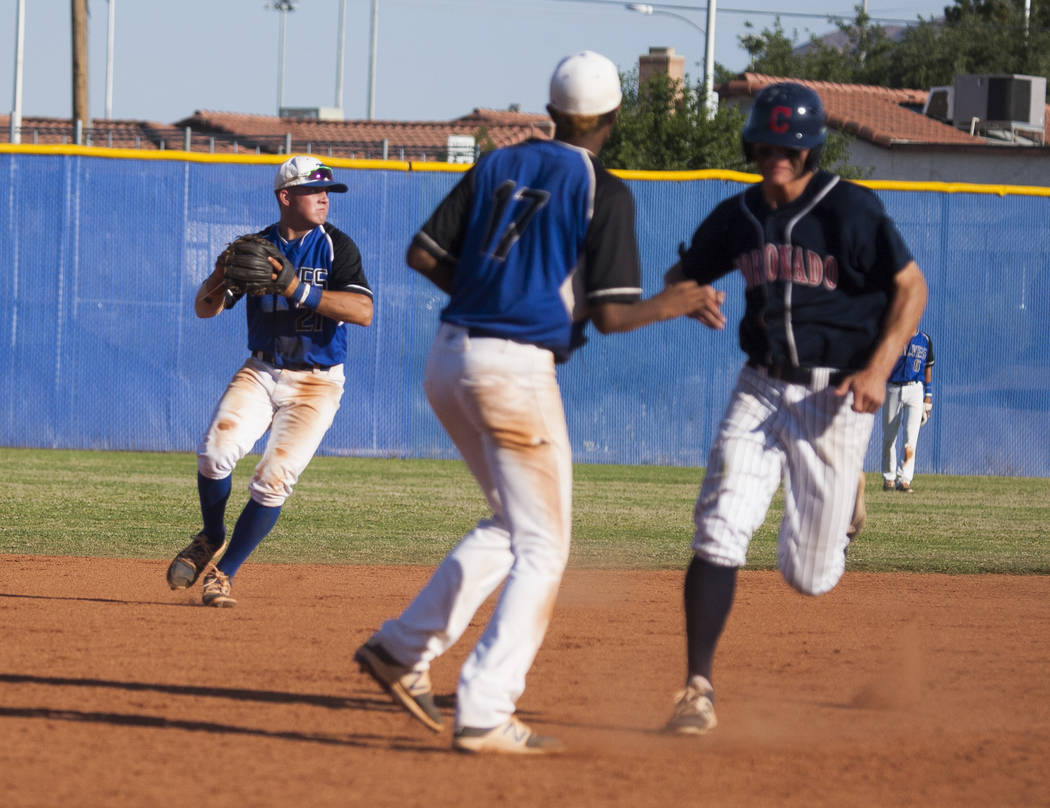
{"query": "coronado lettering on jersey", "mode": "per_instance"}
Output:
(787, 262)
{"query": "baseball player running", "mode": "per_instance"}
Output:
(909, 402)
(832, 295)
(291, 383)
(535, 238)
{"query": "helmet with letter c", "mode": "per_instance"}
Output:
(787, 114)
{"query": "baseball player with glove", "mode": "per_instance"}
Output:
(303, 284)
(909, 402)
(534, 240)
(832, 295)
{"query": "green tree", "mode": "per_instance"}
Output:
(975, 36)
(663, 126)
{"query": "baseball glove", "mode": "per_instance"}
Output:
(247, 270)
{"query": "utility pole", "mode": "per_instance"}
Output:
(80, 65)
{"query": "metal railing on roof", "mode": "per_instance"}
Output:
(189, 140)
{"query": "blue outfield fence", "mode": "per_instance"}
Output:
(102, 349)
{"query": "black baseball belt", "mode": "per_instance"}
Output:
(794, 375)
(270, 359)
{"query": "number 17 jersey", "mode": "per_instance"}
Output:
(535, 231)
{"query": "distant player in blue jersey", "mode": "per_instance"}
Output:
(909, 402)
(832, 295)
(535, 239)
(291, 383)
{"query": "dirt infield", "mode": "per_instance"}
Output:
(892, 690)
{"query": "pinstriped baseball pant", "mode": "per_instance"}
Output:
(813, 442)
(501, 405)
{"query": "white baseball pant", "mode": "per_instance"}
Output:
(814, 442)
(903, 402)
(297, 406)
(501, 405)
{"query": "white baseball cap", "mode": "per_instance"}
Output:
(585, 83)
(306, 171)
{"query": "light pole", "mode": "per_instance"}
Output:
(709, 45)
(20, 44)
(283, 6)
(372, 61)
(109, 59)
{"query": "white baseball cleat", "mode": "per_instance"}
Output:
(694, 709)
(511, 737)
(191, 561)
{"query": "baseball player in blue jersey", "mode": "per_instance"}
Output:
(909, 402)
(291, 383)
(535, 239)
(832, 296)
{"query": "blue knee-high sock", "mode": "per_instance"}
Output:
(708, 598)
(213, 495)
(254, 523)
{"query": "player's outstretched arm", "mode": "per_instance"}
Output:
(710, 313)
(905, 311)
(677, 300)
(211, 297)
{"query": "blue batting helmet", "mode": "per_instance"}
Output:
(789, 115)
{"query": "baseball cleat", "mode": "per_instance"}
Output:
(217, 590)
(904, 488)
(187, 566)
(694, 709)
(512, 737)
(888, 485)
(408, 688)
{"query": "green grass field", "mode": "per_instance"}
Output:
(388, 511)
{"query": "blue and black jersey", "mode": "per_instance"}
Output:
(912, 364)
(324, 257)
(819, 271)
(535, 232)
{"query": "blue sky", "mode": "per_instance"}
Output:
(435, 60)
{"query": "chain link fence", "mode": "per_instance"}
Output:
(154, 138)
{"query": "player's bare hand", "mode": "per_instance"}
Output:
(293, 284)
(709, 312)
(686, 298)
(869, 390)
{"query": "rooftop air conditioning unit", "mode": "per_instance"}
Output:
(940, 104)
(1000, 102)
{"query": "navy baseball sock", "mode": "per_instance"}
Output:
(708, 597)
(254, 523)
(213, 495)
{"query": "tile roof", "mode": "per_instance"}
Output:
(880, 115)
(116, 133)
(406, 139)
(229, 132)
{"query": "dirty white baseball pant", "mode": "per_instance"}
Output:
(903, 401)
(500, 403)
(297, 406)
(815, 443)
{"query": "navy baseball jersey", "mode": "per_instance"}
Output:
(912, 364)
(532, 229)
(818, 271)
(324, 257)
